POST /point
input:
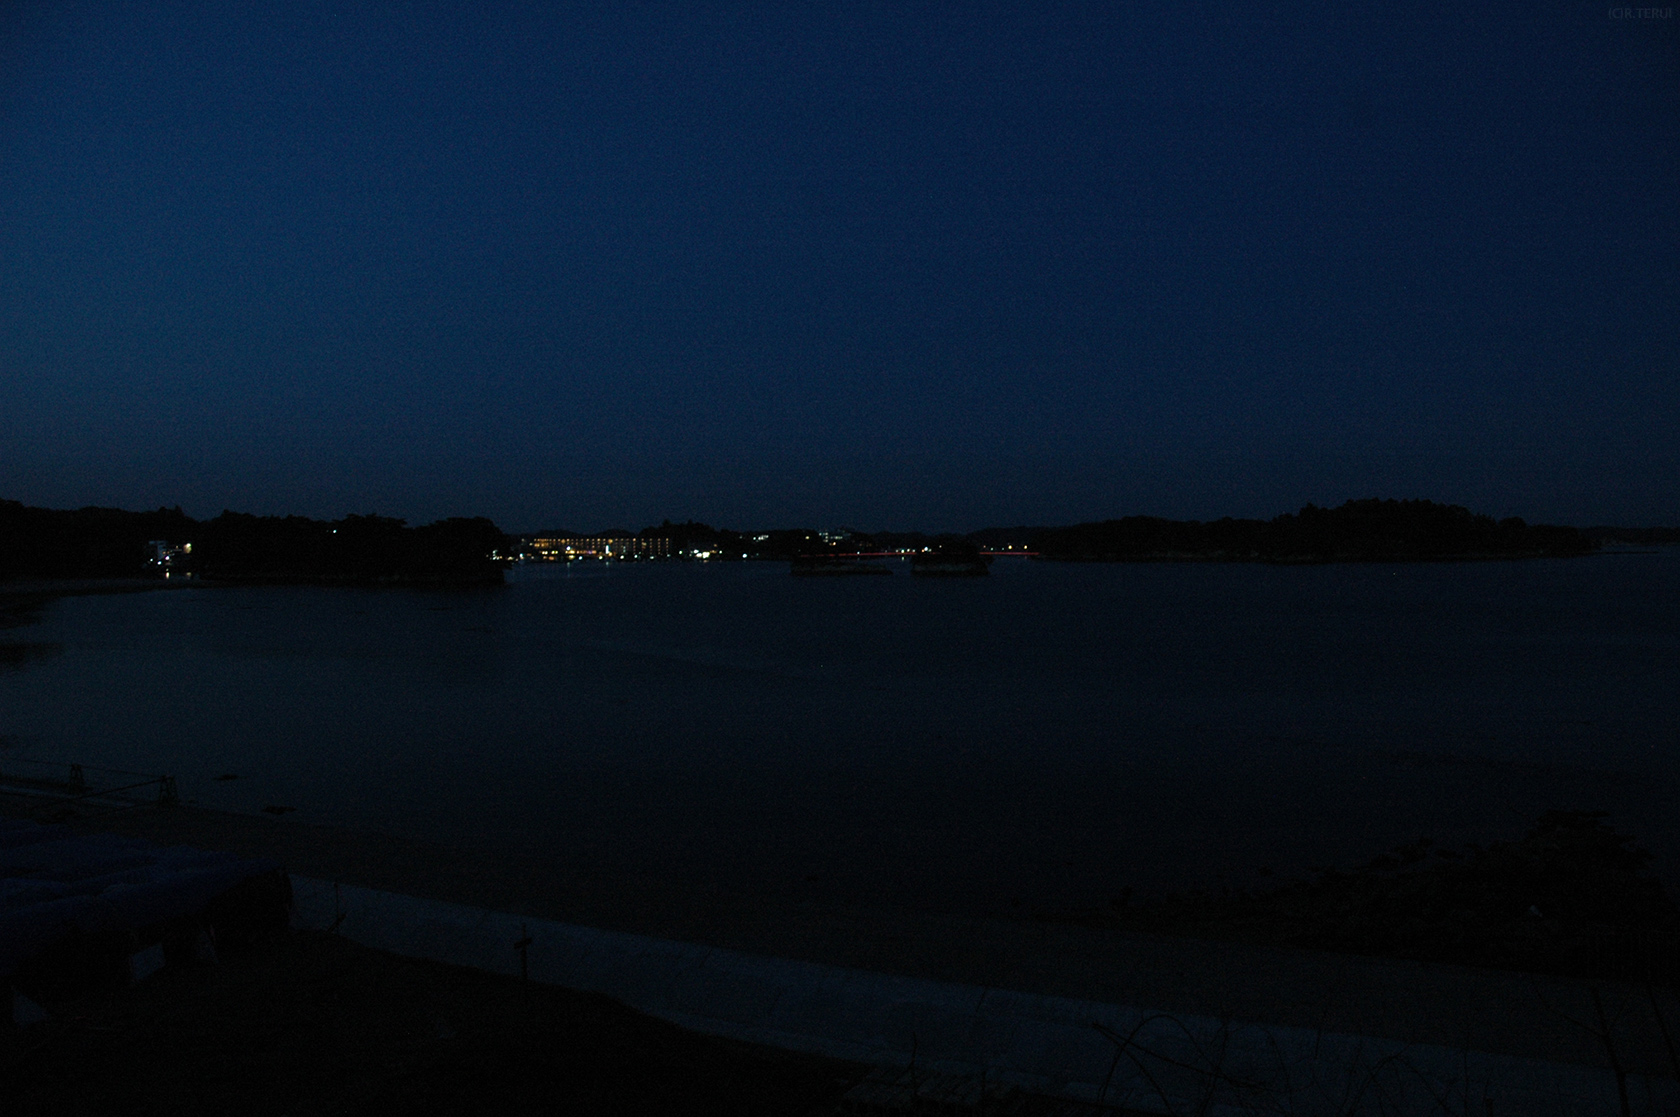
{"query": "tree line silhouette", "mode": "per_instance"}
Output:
(235, 547)
(1358, 531)
(110, 543)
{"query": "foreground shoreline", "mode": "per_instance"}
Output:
(1507, 1013)
(314, 1023)
(435, 1018)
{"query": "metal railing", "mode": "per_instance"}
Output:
(72, 782)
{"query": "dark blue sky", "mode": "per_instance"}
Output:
(880, 265)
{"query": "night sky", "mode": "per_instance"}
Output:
(884, 266)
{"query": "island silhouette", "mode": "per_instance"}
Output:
(43, 543)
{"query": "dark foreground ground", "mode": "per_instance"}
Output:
(308, 1023)
(1331, 953)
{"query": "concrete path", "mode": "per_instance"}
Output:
(1122, 1054)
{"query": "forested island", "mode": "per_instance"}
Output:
(41, 543)
(1358, 531)
(44, 543)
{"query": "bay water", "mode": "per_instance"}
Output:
(1037, 740)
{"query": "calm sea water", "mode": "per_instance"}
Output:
(1042, 737)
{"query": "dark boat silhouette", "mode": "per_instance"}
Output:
(950, 560)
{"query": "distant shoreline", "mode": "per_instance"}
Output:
(105, 550)
(1312, 560)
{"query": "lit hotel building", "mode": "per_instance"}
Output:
(570, 547)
